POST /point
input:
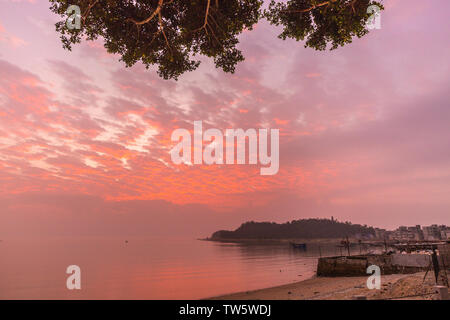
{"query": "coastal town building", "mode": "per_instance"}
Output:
(415, 233)
(434, 232)
(407, 234)
(445, 234)
(380, 233)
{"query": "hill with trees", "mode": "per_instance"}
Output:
(304, 229)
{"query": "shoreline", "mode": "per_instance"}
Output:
(273, 241)
(393, 287)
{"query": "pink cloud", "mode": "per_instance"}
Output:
(363, 129)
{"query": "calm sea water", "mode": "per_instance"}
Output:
(146, 268)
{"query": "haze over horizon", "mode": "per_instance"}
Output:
(364, 131)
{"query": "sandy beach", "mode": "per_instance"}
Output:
(397, 286)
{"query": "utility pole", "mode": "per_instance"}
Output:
(385, 245)
(348, 245)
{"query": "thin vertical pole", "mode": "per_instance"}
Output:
(348, 246)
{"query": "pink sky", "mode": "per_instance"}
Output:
(364, 130)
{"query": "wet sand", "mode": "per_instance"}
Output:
(397, 286)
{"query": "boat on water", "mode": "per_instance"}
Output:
(298, 245)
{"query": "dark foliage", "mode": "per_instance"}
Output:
(306, 229)
(170, 33)
(334, 22)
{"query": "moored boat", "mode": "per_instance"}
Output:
(298, 245)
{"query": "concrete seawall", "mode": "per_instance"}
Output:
(357, 265)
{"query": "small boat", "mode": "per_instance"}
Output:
(298, 245)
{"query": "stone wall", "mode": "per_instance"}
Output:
(341, 266)
(411, 260)
(357, 265)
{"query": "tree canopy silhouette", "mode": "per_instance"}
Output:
(333, 22)
(303, 228)
(170, 33)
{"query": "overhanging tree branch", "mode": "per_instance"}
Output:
(170, 33)
(154, 14)
(206, 17)
(325, 3)
(88, 10)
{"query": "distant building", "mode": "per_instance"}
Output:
(435, 232)
(407, 234)
(417, 233)
(363, 236)
(445, 234)
(381, 233)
